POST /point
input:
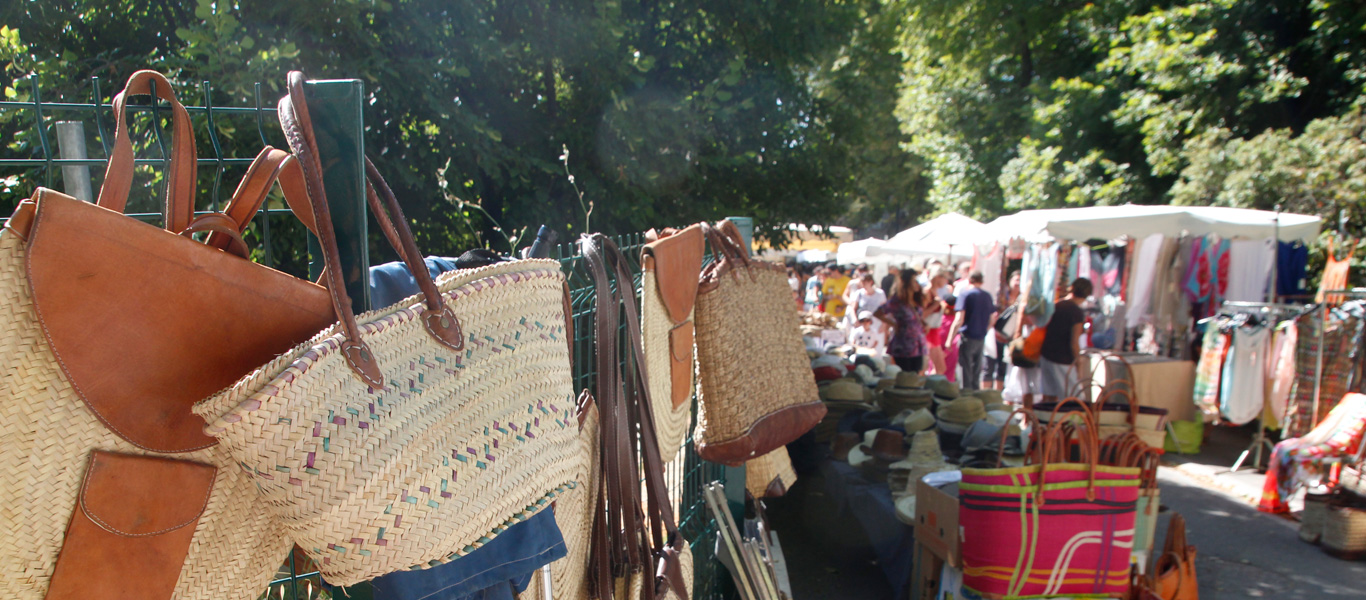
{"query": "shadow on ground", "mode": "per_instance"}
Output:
(1247, 554)
(828, 555)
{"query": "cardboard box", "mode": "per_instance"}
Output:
(925, 579)
(936, 521)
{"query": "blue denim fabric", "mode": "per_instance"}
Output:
(391, 282)
(499, 570)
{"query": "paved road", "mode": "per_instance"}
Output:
(1247, 554)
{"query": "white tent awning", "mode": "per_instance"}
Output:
(1138, 221)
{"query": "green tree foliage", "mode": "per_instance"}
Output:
(671, 112)
(1044, 104)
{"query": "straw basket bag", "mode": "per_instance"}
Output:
(407, 436)
(770, 475)
(113, 329)
(670, 264)
(574, 515)
(755, 390)
(1344, 532)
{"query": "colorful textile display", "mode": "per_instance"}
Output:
(1342, 338)
(1305, 459)
(1209, 371)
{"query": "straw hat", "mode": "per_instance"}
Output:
(905, 510)
(991, 399)
(865, 375)
(827, 360)
(844, 390)
(962, 411)
(886, 383)
(907, 381)
(943, 388)
(914, 421)
(891, 370)
(883, 446)
(893, 403)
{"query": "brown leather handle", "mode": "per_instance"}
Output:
(224, 228)
(619, 543)
(1055, 435)
(180, 179)
(270, 166)
(438, 319)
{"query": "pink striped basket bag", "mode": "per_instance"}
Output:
(1053, 527)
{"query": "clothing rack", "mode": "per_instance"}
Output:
(1276, 312)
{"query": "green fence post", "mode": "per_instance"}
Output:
(336, 109)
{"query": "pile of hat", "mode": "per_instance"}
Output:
(841, 396)
(904, 392)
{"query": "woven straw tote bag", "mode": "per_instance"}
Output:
(755, 388)
(408, 435)
(636, 550)
(114, 329)
(670, 264)
(770, 475)
(574, 515)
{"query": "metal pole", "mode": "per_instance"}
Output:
(71, 144)
(1276, 255)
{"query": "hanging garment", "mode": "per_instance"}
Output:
(1210, 371)
(1250, 266)
(1196, 279)
(1163, 293)
(1219, 277)
(1041, 266)
(1282, 370)
(1110, 267)
(1342, 337)
(1145, 271)
(990, 260)
(1335, 273)
(1292, 260)
(1243, 387)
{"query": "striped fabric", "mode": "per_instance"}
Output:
(1020, 544)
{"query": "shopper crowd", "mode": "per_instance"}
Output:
(934, 318)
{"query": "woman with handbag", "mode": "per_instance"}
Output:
(903, 314)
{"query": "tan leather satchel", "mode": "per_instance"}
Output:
(113, 329)
(670, 264)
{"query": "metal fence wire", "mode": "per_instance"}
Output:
(34, 160)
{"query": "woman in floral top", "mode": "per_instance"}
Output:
(902, 313)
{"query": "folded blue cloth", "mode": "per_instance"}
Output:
(500, 569)
(391, 282)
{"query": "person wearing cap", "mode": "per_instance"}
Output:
(1062, 342)
(867, 337)
(972, 318)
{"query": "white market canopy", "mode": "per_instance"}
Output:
(1138, 221)
(946, 229)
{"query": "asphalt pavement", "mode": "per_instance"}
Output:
(1243, 553)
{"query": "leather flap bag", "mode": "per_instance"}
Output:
(670, 264)
(115, 329)
(756, 391)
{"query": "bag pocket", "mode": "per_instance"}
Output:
(131, 528)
